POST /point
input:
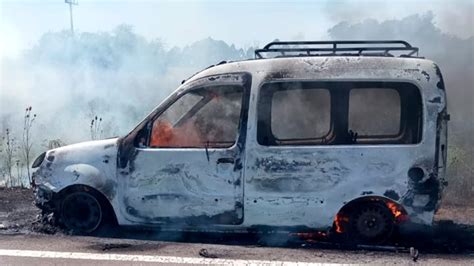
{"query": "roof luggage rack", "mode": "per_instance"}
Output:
(337, 48)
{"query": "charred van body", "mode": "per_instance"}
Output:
(346, 139)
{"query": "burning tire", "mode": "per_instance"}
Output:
(81, 212)
(371, 223)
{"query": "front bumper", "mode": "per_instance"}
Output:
(45, 198)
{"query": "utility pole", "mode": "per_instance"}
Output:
(71, 3)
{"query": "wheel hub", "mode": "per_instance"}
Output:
(372, 223)
(81, 212)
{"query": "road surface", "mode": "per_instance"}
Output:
(38, 249)
(26, 239)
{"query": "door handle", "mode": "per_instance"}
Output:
(225, 160)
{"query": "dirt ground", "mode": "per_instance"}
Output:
(17, 210)
(18, 215)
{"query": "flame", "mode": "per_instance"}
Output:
(165, 135)
(339, 221)
(310, 236)
(394, 209)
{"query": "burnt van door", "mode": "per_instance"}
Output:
(188, 169)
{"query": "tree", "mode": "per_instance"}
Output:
(27, 144)
(96, 128)
(10, 148)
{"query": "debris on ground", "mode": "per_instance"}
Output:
(45, 223)
(414, 253)
(204, 253)
(109, 246)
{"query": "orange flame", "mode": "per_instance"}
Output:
(310, 236)
(164, 135)
(394, 209)
(339, 221)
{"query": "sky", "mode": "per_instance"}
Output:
(244, 23)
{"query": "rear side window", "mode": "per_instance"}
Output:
(339, 113)
(294, 113)
(298, 113)
(374, 112)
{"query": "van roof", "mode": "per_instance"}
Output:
(329, 67)
(333, 62)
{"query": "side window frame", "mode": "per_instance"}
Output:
(339, 97)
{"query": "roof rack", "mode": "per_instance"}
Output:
(333, 48)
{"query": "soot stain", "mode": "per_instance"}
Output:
(427, 76)
(280, 165)
(172, 169)
(435, 100)
(392, 194)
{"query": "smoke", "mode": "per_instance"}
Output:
(92, 86)
(119, 76)
(454, 55)
(454, 17)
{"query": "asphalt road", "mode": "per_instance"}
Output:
(37, 249)
(25, 241)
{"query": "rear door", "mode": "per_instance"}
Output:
(189, 169)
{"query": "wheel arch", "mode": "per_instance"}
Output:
(105, 203)
(342, 215)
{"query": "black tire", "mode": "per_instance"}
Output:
(81, 212)
(371, 223)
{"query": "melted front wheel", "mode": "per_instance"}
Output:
(81, 212)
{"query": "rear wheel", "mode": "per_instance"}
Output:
(81, 212)
(371, 223)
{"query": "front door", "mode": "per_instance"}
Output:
(188, 168)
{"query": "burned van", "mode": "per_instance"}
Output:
(347, 137)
